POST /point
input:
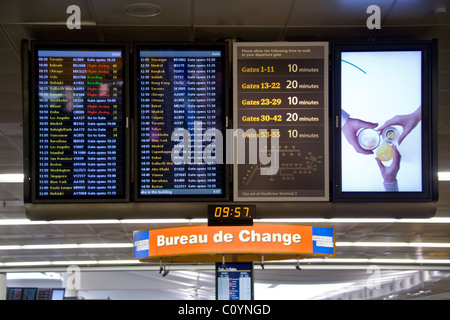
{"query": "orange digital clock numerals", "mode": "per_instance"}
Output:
(232, 211)
(235, 212)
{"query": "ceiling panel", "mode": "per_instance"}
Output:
(11, 129)
(442, 32)
(9, 63)
(42, 11)
(241, 13)
(50, 33)
(11, 113)
(12, 212)
(394, 253)
(325, 33)
(419, 12)
(13, 85)
(444, 82)
(9, 156)
(4, 44)
(402, 33)
(321, 13)
(175, 13)
(253, 33)
(145, 33)
(444, 62)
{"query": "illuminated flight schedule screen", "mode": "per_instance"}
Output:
(180, 115)
(234, 281)
(281, 108)
(79, 124)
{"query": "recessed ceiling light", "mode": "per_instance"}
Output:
(142, 10)
(11, 178)
(444, 176)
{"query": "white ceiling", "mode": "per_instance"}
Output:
(196, 20)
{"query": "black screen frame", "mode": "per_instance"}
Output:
(189, 46)
(429, 121)
(33, 117)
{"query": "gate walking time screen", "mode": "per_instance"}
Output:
(281, 117)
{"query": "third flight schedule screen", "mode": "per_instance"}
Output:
(180, 102)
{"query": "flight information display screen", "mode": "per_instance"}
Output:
(234, 281)
(79, 120)
(180, 120)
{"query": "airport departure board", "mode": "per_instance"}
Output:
(79, 123)
(180, 119)
(234, 281)
(281, 112)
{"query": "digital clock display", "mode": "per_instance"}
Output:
(221, 215)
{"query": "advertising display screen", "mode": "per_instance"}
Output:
(79, 122)
(234, 281)
(384, 111)
(180, 115)
(281, 121)
(58, 294)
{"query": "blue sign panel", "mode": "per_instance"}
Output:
(141, 244)
(323, 240)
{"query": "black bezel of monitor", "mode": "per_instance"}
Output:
(178, 46)
(231, 264)
(429, 191)
(26, 96)
(33, 117)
